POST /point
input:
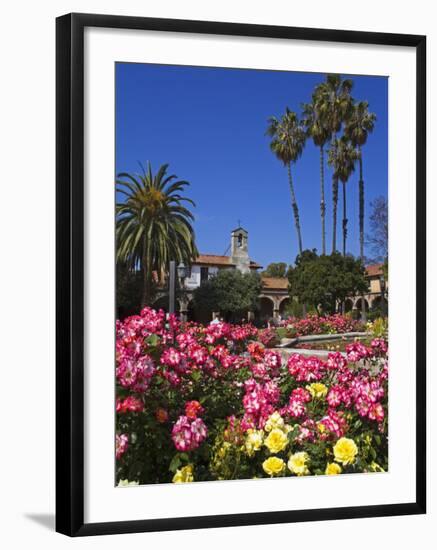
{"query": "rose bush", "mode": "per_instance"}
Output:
(321, 324)
(204, 403)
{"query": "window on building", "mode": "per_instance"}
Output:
(203, 274)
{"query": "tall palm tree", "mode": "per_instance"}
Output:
(334, 104)
(152, 225)
(357, 128)
(288, 140)
(319, 131)
(342, 158)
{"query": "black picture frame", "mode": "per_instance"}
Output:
(70, 273)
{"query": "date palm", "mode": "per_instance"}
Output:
(287, 143)
(318, 130)
(342, 157)
(153, 225)
(357, 128)
(334, 103)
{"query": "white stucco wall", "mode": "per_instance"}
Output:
(194, 280)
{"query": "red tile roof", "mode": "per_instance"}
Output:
(275, 283)
(374, 270)
(213, 259)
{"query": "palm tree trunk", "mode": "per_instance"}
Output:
(334, 212)
(344, 219)
(361, 215)
(322, 197)
(295, 208)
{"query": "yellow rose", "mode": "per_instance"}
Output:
(127, 483)
(184, 475)
(275, 420)
(254, 441)
(297, 463)
(345, 451)
(317, 390)
(333, 469)
(276, 441)
(321, 427)
(273, 466)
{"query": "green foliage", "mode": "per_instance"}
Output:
(341, 157)
(333, 101)
(288, 137)
(153, 225)
(323, 281)
(294, 309)
(129, 286)
(230, 292)
(276, 269)
(359, 124)
(379, 327)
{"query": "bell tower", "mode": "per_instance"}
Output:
(240, 250)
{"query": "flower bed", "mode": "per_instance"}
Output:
(201, 403)
(326, 324)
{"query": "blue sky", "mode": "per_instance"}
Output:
(209, 125)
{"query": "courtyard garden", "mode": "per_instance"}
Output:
(199, 403)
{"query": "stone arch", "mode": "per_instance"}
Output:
(358, 304)
(283, 303)
(348, 305)
(266, 307)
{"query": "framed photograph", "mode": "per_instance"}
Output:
(240, 274)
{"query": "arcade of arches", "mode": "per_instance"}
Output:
(274, 300)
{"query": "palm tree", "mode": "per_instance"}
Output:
(342, 158)
(288, 141)
(320, 133)
(334, 102)
(357, 128)
(153, 226)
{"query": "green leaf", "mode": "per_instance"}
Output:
(293, 433)
(152, 340)
(175, 463)
(196, 375)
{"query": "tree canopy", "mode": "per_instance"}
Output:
(230, 292)
(276, 269)
(153, 225)
(325, 281)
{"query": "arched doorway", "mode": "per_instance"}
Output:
(348, 305)
(358, 304)
(265, 308)
(283, 306)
